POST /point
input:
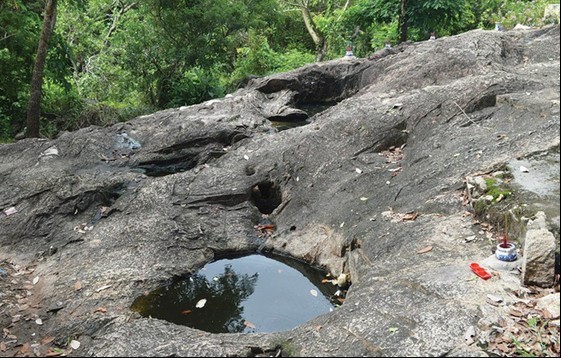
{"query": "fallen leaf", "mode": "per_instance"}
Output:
(10, 211)
(24, 349)
(494, 298)
(469, 335)
(502, 347)
(102, 288)
(47, 340)
(35, 280)
(186, 312)
(23, 308)
(314, 293)
(325, 280)
(78, 286)
(201, 303)
(341, 300)
(516, 313)
(101, 310)
(74, 344)
(410, 216)
(249, 324)
(51, 353)
(425, 250)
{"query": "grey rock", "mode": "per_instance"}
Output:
(538, 265)
(192, 183)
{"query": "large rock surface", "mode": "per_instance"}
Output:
(133, 205)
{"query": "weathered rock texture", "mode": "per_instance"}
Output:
(539, 253)
(187, 184)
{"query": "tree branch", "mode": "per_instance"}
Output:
(116, 18)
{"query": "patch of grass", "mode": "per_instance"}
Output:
(496, 189)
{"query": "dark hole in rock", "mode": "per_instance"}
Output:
(313, 108)
(301, 119)
(158, 168)
(266, 196)
(249, 170)
(254, 293)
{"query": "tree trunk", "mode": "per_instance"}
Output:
(403, 20)
(319, 40)
(34, 104)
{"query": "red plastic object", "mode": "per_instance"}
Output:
(480, 271)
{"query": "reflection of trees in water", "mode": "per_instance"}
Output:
(224, 294)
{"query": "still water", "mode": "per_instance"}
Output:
(252, 293)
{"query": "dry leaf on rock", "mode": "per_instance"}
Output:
(425, 250)
(410, 216)
(47, 340)
(24, 349)
(101, 310)
(102, 288)
(51, 353)
(249, 324)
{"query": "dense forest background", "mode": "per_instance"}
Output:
(112, 60)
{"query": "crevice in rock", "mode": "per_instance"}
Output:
(84, 200)
(221, 199)
(266, 196)
(489, 100)
(163, 167)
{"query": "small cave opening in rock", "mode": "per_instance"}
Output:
(300, 119)
(160, 168)
(266, 196)
(244, 294)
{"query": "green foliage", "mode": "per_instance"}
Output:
(445, 17)
(497, 189)
(110, 60)
(512, 12)
(197, 85)
(259, 59)
(19, 26)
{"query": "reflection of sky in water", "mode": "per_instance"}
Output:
(247, 294)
